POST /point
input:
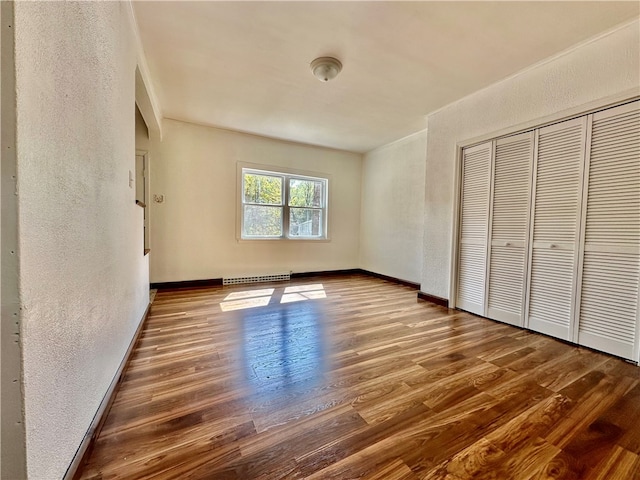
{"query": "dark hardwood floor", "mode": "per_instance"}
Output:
(368, 382)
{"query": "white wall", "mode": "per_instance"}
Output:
(606, 66)
(193, 232)
(392, 216)
(13, 451)
(142, 132)
(84, 280)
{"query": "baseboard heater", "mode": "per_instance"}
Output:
(279, 277)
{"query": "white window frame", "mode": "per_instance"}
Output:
(287, 175)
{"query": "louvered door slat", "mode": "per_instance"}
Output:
(509, 227)
(506, 284)
(558, 187)
(608, 317)
(476, 173)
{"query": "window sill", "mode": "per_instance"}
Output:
(285, 240)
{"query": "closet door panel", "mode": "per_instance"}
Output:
(505, 300)
(608, 316)
(551, 293)
(476, 180)
(509, 227)
(557, 202)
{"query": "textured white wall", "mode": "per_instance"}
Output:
(392, 215)
(84, 280)
(13, 451)
(607, 66)
(193, 232)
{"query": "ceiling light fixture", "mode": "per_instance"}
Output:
(326, 68)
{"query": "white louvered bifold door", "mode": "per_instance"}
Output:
(558, 172)
(509, 227)
(608, 316)
(474, 222)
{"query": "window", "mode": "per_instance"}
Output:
(278, 205)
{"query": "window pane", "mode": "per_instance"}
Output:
(263, 189)
(262, 221)
(305, 193)
(305, 222)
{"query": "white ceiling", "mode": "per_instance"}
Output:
(245, 65)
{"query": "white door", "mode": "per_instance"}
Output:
(509, 227)
(608, 316)
(476, 181)
(557, 193)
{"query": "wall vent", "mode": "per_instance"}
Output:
(257, 278)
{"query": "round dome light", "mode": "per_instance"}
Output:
(326, 68)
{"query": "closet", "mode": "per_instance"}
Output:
(549, 234)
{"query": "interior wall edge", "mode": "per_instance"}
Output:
(13, 462)
(151, 108)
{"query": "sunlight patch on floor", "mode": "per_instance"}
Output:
(298, 297)
(265, 292)
(245, 303)
(304, 288)
(262, 297)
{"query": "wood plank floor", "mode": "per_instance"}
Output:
(353, 377)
